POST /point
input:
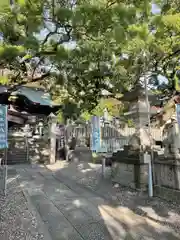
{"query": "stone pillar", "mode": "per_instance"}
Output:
(171, 139)
(128, 165)
(40, 126)
(139, 113)
(53, 122)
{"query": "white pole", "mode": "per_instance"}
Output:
(148, 105)
(27, 149)
(147, 160)
(53, 142)
(150, 181)
(6, 172)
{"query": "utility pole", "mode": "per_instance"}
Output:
(150, 162)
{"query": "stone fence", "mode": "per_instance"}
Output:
(132, 172)
(112, 137)
(167, 178)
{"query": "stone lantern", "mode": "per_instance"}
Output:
(138, 112)
(128, 167)
(105, 114)
(52, 133)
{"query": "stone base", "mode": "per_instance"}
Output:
(167, 172)
(168, 194)
(130, 175)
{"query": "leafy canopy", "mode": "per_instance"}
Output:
(111, 44)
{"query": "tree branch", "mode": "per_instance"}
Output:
(38, 78)
(110, 3)
(41, 59)
(171, 55)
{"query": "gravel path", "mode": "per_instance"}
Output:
(17, 220)
(121, 210)
(89, 175)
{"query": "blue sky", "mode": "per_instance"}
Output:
(155, 9)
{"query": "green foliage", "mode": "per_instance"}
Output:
(9, 53)
(3, 80)
(70, 110)
(115, 43)
(60, 117)
(86, 116)
(114, 108)
(130, 123)
(4, 4)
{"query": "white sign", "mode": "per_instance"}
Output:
(147, 158)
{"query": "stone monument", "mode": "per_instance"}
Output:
(171, 139)
(53, 123)
(141, 140)
(130, 161)
(167, 163)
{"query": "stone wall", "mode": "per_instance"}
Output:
(39, 150)
(17, 151)
(167, 174)
(130, 175)
(168, 194)
(167, 179)
(31, 150)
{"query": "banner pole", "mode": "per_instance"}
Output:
(5, 177)
(3, 147)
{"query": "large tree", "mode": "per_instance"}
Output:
(111, 44)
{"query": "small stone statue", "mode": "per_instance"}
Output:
(140, 141)
(171, 138)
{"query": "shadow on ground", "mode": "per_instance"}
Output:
(124, 213)
(74, 202)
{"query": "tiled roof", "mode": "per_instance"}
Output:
(35, 95)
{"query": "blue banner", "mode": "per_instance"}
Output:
(3, 127)
(177, 80)
(96, 134)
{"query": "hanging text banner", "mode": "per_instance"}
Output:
(3, 127)
(3, 147)
(95, 134)
(178, 113)
(177, 80)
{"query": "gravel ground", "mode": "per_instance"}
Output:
(17, 220)
(156, 209)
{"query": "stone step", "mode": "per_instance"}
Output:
(18, 158)
(17, 153)
(17, 162)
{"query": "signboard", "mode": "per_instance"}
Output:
(3, 148)
(95, 134)
(3, 127)
(178, 113)
(177, 80)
